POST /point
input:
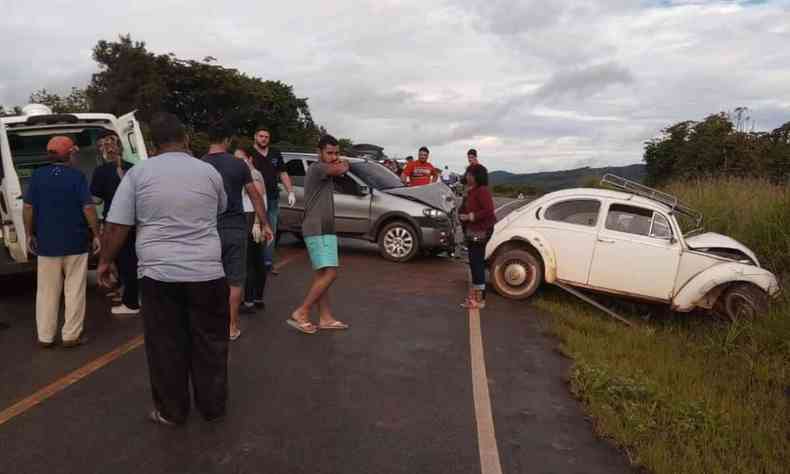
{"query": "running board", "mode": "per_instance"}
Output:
(598, 305)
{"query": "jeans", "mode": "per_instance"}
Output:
(127, 273)
(477, 264)
(272, 214)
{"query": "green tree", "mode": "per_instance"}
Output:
(201, 93)
(75, 102)
(345, 146)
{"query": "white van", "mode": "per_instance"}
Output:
(23, 143)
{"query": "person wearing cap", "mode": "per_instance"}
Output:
(104, 183)
(59, 213)
(471, 156)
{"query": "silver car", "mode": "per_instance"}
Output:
(371, 203)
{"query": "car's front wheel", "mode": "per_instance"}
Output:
(516, 274)
(742, 301)
(398, 242)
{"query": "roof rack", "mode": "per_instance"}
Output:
(639, 189)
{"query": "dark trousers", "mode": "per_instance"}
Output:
(127, 273)
(477, 263)
(186, 337)
(257, 271)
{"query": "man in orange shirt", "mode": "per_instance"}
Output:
(420, 172)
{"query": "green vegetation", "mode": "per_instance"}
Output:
(721, 145)
(548, 181)
(513, 190)
(688, 393)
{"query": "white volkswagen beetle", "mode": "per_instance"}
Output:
(626, 242)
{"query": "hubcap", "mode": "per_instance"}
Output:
(398, 242)
(516, 273)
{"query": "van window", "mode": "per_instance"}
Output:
(295, 169)
(29, 150)
(576, 211)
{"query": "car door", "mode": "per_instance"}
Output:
(570, 226)
(132, 138)
(352, 205)
(11, 203)
(635, 253)
(291, 217)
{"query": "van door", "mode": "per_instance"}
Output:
(13, 226)
(132, 138)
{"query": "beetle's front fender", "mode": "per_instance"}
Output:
(695, 290)
(528, 236)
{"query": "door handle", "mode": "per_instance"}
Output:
(606, 241)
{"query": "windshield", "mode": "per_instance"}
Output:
(376, 175)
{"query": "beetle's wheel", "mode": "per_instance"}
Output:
(743, 301)
(516, 274)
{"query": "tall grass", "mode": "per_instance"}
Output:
(685, 393)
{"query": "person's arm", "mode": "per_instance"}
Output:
(406, 173)
(27, 216)
(93, 222)
(338, 168)
(260, 210)
(485, 206)
(286, 179)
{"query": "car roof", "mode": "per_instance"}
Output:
(603, 194)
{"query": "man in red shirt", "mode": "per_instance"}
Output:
(420, 172)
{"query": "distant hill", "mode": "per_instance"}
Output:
(554, 180)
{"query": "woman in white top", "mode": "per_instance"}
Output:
(253, 292)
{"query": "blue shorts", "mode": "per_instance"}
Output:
(322, 250)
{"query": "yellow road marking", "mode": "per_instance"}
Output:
(75, 376)
(71, 378)
(486, 436)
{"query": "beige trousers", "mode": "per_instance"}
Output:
(53, 272)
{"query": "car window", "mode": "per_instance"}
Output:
(376, 175)
(295, 169)
(638, 221)
(345, 185)
(577, 211)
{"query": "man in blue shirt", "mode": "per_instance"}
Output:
(105, 181)
(58, 213)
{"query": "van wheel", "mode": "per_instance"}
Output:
(398, 242)
(742, 301)
(516, 274)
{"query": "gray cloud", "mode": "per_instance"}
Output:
(533, 85)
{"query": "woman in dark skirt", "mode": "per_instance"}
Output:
(478, 218)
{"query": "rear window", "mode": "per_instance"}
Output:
(577, 211)
(29, 150)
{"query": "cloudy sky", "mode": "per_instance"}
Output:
(533, 84)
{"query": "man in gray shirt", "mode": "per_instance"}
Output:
(174, 199)
(318, 229)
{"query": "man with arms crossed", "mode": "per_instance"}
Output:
(58, 211)
(318, 229)
(236, 176)
(420, 172)
(270, 162)
(174, 200)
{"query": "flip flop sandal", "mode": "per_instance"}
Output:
(235, 335)
(336, 325)
(306, 327)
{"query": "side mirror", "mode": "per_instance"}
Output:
(363, 190)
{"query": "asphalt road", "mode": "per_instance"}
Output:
(391, 395)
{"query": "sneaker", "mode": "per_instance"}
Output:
(260, 304)
(157, 417)
(76, 342)
(247, 308)
(46, 345)
(124, 310)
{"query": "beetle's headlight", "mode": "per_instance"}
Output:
(432, 213)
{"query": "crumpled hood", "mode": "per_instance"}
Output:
(711, 240)
(436, 195)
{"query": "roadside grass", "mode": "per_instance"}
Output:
(685, 393)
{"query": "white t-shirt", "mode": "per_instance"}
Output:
(245, 199)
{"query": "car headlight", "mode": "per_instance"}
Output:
(433, 213)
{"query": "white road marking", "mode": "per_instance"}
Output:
(486, 437)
